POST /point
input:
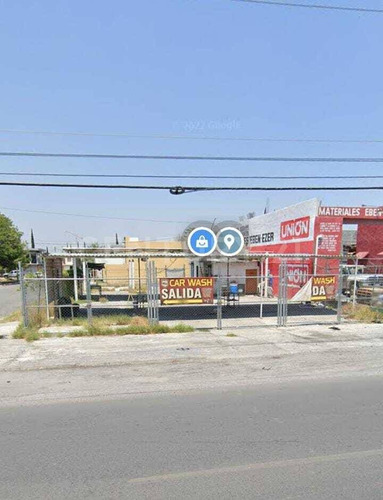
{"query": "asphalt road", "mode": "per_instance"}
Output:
(316, 440)
(10, 299)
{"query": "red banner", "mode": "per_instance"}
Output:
(186, 291)
(352, 212)
(295, 229)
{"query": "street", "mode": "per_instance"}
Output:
(10, 299)
(306, 440)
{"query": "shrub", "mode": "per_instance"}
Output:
(28, 333)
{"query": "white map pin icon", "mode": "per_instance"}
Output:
(229, 240)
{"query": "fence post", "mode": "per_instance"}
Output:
(24, 309)
(285, 288)
(152, 292)
(340, 289)
(149, 291)
(282, 295)
(355, 287)
(75, 279)
(279, 304)
(88, 295)
(46, 288)
(156, 295)
(261, 289)
(219, 303)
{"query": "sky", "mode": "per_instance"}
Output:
(195, 68)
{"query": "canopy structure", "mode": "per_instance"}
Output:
(100, 253)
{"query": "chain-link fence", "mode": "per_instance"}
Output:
(293, 295)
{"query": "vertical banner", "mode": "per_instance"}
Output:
(328, 241)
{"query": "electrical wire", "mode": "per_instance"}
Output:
(203, 158)
(150, 176)
(191, 137)
(189, 189)
(45, 212)
(313, 6)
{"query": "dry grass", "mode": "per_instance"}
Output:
(136, 326)
(29, 334)
(37, 317)
(104, 321)
(363, 313)
(15, 316)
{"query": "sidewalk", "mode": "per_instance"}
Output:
(57, 369)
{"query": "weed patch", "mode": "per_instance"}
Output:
(15, 316)
(28, 333)
(138, 326)
(363, 313)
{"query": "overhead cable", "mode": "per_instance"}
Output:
(313, 6)
(191, 137)
(150, 176)
(189, 189)
(45, 212)
(191, 157)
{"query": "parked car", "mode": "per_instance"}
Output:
(12, 274)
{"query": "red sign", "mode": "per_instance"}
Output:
(295, 229)
(297, 274)
(329, 233)
(186, 291)
(352, 212)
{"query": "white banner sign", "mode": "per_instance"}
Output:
(288, 225)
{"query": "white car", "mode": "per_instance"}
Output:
(12, 274)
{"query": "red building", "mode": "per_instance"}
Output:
(312, 229)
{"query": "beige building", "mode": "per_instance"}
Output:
(131, 270)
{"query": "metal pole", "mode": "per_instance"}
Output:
(285, 294)
(340, 286)
(219, 304)
(279, 306)
(227, 274)
(261, 294)
(84, 272)
(23, 296)
(354, 287)
(266, 277)
(88, 295)
(75, 279)
(46, 288)
(154, 294)
(139, 274)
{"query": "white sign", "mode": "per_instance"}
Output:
(287, 225)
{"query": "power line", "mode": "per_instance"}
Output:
(199, 158)
(150, 176)
(191, 137)
(189, 189)
(93, 216)
(313, 6)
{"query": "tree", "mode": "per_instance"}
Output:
(12, 249)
